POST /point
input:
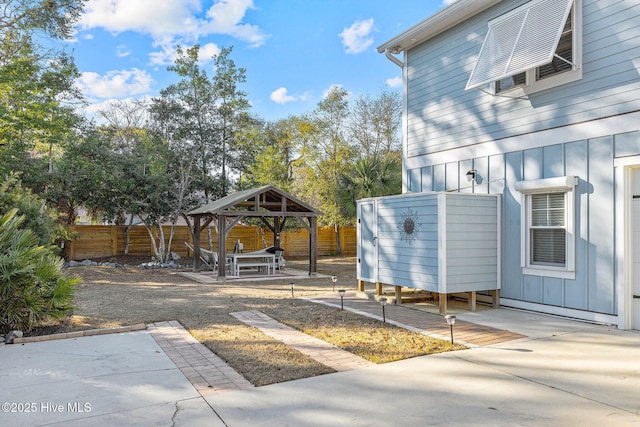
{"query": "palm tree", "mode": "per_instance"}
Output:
(372, 176)
(33, 287)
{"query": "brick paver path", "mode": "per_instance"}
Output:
(467, 333)
(323, 352)
(207, 372)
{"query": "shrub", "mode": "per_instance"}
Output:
(33, 287)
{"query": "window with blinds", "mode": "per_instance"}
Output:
(548, 239)
(548, 235)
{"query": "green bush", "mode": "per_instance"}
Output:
(33, 287)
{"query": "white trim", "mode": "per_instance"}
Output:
(574, 132)
(547, 185)
(564, 184)
(624, 240)
(590, 316)
(442, 243)
(626, 161)
(499, 236)
(437, 23)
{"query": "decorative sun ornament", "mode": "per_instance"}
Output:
(409, 225)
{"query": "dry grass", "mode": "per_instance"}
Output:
(110, 297)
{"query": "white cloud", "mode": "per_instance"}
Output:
(448, 2)
(177, 20)
(168, 53)
(394, 81)
(122, 51)
(280, 96)
(357, 38)
(115, 84)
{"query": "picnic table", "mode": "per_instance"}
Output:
(259, 259)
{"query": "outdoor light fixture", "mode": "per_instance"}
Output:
(451, 320)
(471, 175)
(334, 279)
(292, 286)
(383, 302)
(341, 292)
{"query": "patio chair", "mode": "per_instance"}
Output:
(279, 252)
(208, 257)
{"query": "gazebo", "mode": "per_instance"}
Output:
(272, 205)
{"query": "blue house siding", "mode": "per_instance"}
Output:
(405, 262)
(441, 115)
(592, 160)
(471, 250)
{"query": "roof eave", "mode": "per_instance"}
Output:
(446, 18)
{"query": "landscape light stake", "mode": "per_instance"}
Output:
(383, 302)
(292, 286)
(341, 292)
(451, 320)
(334, 279)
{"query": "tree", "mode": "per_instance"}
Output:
(37, 89)
(272, 151)
(186, 116)
(327, 155)
(33, 287)
(374, 124)
(232, 111)
(372, 176)
(36, 216)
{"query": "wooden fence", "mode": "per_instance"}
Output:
(97, 241)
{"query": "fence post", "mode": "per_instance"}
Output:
(114, 240)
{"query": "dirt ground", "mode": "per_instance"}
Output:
(109, 297)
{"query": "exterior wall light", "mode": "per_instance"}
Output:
(471, 175)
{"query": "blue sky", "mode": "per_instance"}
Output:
(293, 50)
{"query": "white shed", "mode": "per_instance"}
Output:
(444, 243)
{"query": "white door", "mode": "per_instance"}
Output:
(367, 250)
(635, 309)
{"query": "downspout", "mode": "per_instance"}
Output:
(388, 53)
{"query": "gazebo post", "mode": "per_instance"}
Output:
(222, 247)
(276, 231)
(196, 244)
(313, 249)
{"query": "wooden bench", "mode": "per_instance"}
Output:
(258, 264)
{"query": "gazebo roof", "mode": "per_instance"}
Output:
(266, 201)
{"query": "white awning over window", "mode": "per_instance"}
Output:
(525, 38)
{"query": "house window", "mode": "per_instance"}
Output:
(547, 232)
(548, 238)
(533, 47)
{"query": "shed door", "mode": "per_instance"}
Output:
(635, 320)
(367, 249)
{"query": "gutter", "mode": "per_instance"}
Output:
(389, 54)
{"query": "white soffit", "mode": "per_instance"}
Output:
(525, 38)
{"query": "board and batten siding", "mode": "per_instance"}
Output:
(441, 115)
(592, 160)
(453, 246)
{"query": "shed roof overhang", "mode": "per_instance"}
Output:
(443, 20)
